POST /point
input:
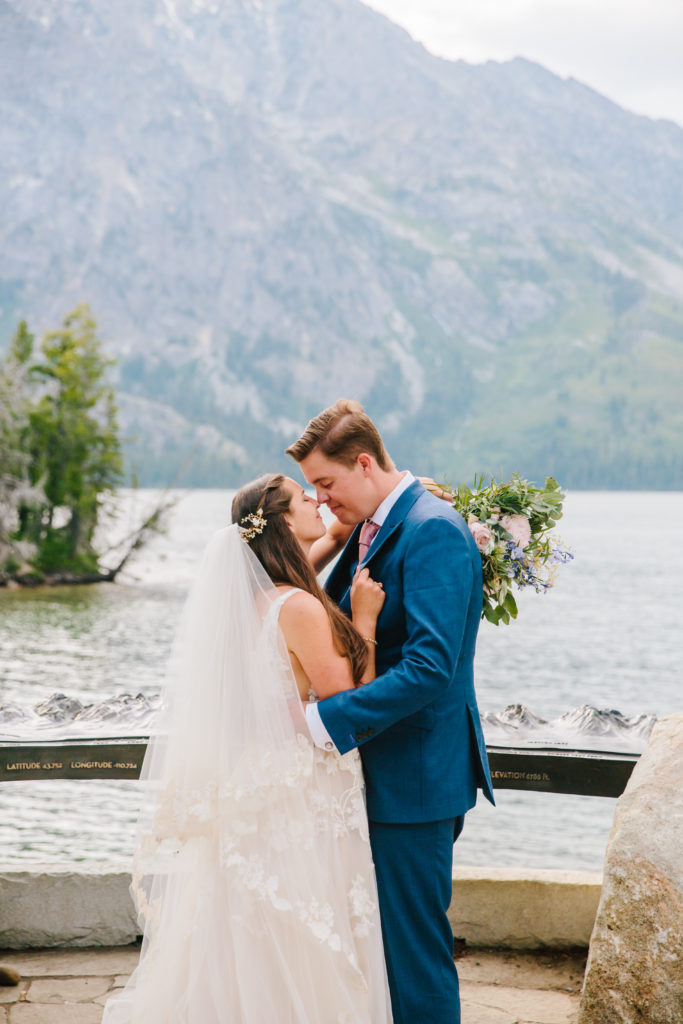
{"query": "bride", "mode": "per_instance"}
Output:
(253, 876)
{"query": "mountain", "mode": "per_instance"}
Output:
(272, 203)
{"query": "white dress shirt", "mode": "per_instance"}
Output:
(319, 733)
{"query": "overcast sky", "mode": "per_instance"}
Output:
(629, 50)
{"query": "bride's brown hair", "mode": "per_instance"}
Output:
(282, 557)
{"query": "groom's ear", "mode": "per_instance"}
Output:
(365, 462)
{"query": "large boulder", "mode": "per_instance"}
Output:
(635, 964)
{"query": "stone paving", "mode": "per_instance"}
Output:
(497, 986)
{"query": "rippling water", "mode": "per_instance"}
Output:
(608, 635)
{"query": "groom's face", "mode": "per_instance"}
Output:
(348, 492)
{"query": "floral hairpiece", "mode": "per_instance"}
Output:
(257, 521)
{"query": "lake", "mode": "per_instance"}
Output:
(607, 635)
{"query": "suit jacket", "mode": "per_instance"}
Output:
(417, 723)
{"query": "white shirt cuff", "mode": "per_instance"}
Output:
(319, 733)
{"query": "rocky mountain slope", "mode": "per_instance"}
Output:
(271, 203)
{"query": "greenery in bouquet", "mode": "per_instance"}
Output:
(511, 524)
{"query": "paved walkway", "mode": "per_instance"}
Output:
(497, 987)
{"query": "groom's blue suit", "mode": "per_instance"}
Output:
(421, 741)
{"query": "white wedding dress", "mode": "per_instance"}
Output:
(253, 876)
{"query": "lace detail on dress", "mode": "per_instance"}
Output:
(362, 906)
(184, 814)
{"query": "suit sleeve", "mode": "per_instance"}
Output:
(438, 580)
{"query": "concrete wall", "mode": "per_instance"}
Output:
(491, 907)
(518, 909)
(61, 907)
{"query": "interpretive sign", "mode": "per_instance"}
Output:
(588, 773)
(72, 759)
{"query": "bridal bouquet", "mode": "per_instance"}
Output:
(511, 524)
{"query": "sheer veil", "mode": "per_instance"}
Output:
(236, 853)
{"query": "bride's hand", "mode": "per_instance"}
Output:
(367, 599)
(436, 489)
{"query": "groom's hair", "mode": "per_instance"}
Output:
(342, 433)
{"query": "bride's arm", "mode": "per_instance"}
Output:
(308, 634)
(328, 547)
(367, 598)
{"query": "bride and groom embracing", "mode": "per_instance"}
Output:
(316, 757)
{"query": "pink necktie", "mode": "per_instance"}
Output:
(367, 534)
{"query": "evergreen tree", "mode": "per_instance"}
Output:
(73, 443)
(18, 495)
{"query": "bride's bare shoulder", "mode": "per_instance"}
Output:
(301, 609)
(302, 603)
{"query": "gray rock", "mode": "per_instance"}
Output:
(634, 971)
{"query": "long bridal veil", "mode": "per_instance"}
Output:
(252, 877)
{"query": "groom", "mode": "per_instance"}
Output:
(417, 723)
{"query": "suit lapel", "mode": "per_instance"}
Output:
(396, 516)
(339, 580)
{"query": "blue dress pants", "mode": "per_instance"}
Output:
(414, 881)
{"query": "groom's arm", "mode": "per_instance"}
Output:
(438, 578)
